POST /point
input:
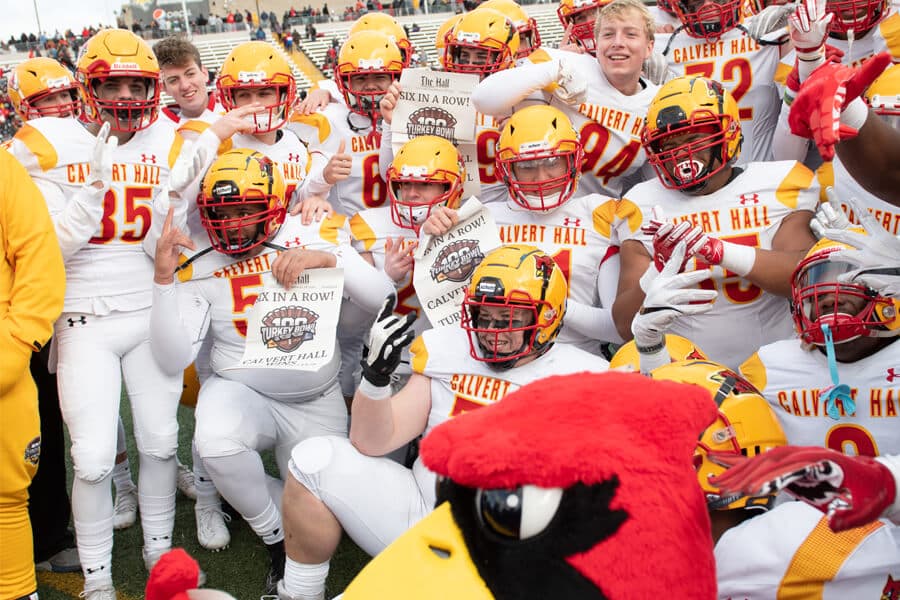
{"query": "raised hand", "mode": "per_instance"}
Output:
(440, 220)
(315, 100)
(771, 18)
(338, 167)
(102, 159)
(389, 102)
(667, 235)
(809, 25)
(571, 87)
(168, 249)
(851, 490)
(398, 258)
(388, 337)
(669, 295)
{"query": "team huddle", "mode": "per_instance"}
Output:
(655, 214)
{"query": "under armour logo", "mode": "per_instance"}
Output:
(892, 375)
(294, 242)
(293, 157)
(79, 321)
(91, 571)
(148, 158)
(749, 199)
(570, 222)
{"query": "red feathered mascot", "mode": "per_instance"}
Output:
(175, 577)
(577, 486)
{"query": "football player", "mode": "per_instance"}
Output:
(511, 316)
(101, 210)
(537, 157)
(764, 550)
(42, 87)
(748, 225)
(605, 98)
(242, 411)
(848, 334)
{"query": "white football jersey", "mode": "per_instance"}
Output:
(216, 291)
(323, 131)
(791, 552)
(792, 380)
(580, 235)
(748, 211)
(110, 272)
(459, 383)
(746, 69)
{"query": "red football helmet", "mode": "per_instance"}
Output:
(850, 310)
(858, 16)
(582, 16)
(707, 19)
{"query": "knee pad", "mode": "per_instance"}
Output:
(310, 457)
(92, 469)
(160, 445)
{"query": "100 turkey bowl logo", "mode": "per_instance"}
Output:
(287, 327)
(456, 261)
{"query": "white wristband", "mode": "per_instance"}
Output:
(373, 391)
(738, 258)
(855, 114)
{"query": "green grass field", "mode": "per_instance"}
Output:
(239, 570)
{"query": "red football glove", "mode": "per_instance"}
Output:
(666, 236)
(815, 112)
(851, 490)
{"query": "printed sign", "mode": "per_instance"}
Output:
(444, 264)
(296, 328)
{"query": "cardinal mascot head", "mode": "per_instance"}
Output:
(576, 486)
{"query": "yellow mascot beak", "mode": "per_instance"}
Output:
(428, 561)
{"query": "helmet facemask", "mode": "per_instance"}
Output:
(271, 117)
(457, 60)
(411, 214)
(123, 114)
(856, 16)
(526, 186)
(359, 99)
(850, 310)
(71, 108)
(708, 21)
(682, 167)
(583, 31)
(488, 337)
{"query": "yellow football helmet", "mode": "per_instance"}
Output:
(118, 53)
(883, 95)
(514, 277)
(745, 425)
(483, 41)
(37, 79)
(539, 157)
(581, 15)
(680, 348)
(258, 65)
(385, 23)
(851, 310)
(425, 159)
(440, 39)
(369, 61)
(243, 188)
(690, 105)
(529, 36)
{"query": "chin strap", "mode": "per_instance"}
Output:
(837, 390)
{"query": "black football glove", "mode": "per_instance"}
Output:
(388, 337)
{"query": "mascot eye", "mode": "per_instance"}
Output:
(517, 513)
